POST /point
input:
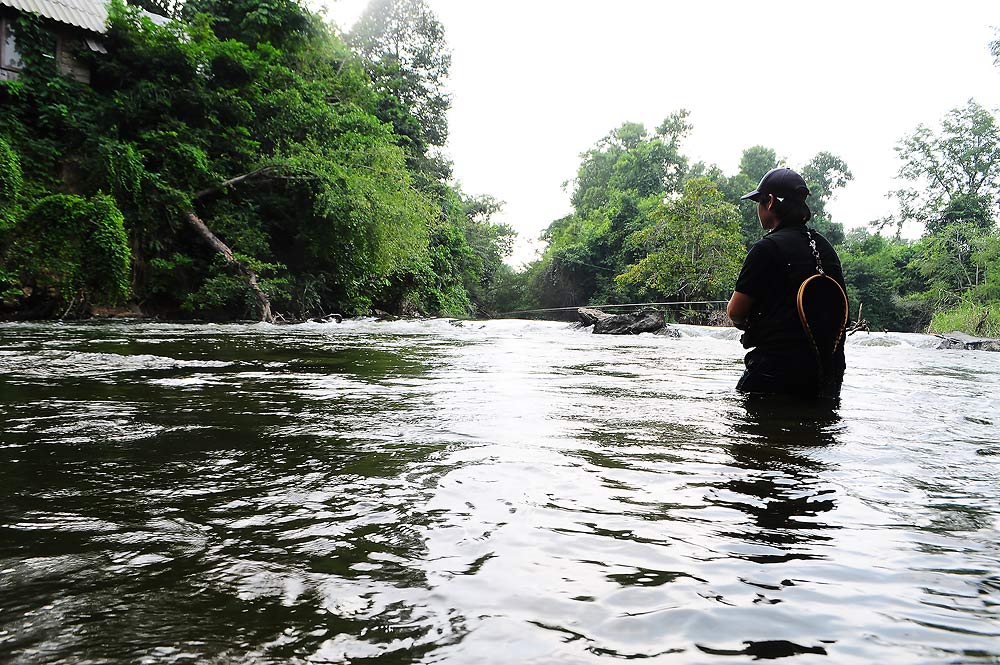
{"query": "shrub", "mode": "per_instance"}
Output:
(75, 248)
(981, 319)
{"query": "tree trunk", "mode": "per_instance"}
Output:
(263, 302)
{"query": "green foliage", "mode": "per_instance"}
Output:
(224, 292)
(883, 278)
(74, 249)
(629, 159)
(973, 318)
(620, 182)
(334, 208)
(403, 46)
(956, 264)
(692, 249)
(10, 185)
(825, 173)
(464, 259)
(954, 259)
(956, 169)
(646, 224)
(284, 24)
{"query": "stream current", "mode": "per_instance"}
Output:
(487, 492)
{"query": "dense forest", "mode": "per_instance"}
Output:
(249, 160)
(244, 160)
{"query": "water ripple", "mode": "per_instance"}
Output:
(517, 492)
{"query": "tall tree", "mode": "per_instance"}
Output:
(619, 181)
(754, 163)
(404, 48)
(284, 24)
(629, 159)
(956, 169)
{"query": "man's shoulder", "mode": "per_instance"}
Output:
(795, 238)
(772, 244)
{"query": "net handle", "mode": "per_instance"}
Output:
(802, 311)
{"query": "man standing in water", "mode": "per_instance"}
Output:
(796, 334)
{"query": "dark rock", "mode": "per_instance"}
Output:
(129, 312)
(958, 340)
(668, 331)
(622, 324)
(589, 317)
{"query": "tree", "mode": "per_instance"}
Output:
(884, 277)
(638, 205)
(629, 159)
(956, 168)
(825, 173)
(403, 45)
(244, 150)
(754, 163)
(620, 180)
(75, 247)
(11, 179)
(284, 24)
(692, 249)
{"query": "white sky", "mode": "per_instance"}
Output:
(536, 83)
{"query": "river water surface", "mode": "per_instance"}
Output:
(500, 492)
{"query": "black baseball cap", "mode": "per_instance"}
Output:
(782, 182)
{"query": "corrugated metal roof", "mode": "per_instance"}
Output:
(87, 14)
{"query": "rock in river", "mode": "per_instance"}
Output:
(957, 340)
(647, 320)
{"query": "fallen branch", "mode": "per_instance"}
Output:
(263, 302)
(270, 171)
(860, 324)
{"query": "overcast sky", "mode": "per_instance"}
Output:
(535, 83)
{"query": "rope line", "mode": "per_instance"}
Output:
(631, 304)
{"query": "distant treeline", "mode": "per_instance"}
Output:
(247, 160)
(648, 225)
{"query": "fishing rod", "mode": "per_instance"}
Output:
(631, 304)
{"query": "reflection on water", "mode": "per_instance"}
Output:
(781, 449)
(494, 492)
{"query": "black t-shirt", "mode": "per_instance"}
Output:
(774, 268)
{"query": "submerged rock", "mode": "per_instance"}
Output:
(958, 340)
(647, 320)
(327, 318)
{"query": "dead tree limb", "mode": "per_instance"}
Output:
(269, 171)
(860, 324)
(264, 170)
(263, 302)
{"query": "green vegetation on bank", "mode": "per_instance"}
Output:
(244, 160)
(649, 225)
(248, 160)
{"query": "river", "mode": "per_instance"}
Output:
(487, 492)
